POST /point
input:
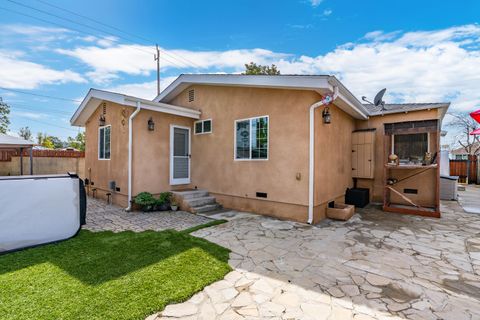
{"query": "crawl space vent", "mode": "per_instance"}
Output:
(191, 95)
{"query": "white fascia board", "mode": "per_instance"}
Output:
(164, 108)
(264, 81)
(319, 84)
(94, 97)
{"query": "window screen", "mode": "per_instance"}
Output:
(411, 147)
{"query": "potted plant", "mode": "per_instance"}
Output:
(174, 205)
(146, 201)
(163, 202)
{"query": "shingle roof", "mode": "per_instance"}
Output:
(403, 107)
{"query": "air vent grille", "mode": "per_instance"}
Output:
(191, 95)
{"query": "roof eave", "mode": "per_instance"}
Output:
(100, 95)
(315, 83)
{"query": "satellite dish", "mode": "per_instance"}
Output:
(379, 99)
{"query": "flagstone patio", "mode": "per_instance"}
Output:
(375, 266)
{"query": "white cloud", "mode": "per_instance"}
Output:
(315, 3)
(327, 12)
(107, 63)
(16, 73)
(32, 33)
(146, 90)
(29, 115)
(422, 66)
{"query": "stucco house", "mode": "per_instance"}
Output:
(284, 146)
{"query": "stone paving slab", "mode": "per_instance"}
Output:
(375, 266)
(104, 217)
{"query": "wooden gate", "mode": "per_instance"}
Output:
(464, 169)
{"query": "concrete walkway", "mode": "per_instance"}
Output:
(470, 198)
(376, 266)
(104, 217)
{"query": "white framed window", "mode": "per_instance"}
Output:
(251, 138)
(104, 134)
(203, 126)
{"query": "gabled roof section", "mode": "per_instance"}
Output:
(94, 97)
(405, 107)
(323, 84)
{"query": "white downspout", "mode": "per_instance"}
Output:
(311, 164)
(130, 144)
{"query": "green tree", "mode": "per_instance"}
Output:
(4, 113)
(78, 142)
(253, 68)
(25, 133)
(47, 143)
(57, 142)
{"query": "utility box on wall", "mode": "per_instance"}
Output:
(363, 153)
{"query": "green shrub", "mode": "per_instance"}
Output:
(164, 198)
(145, 199)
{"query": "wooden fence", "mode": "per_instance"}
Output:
(461, 167)
(6, 155)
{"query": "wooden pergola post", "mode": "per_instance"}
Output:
(31, 161)
(21, 161)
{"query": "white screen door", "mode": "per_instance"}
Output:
(179, 155)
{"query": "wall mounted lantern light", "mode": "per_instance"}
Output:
(101, 120)
(326, 115)
(151, 124)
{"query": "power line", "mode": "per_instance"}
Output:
(35, 108)
(91, 19)
(73, 21)
(47, 123)
(27, 108)
(39, 95)
(150, 41)
(79, 31)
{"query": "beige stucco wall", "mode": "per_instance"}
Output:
(333, 161)
(150, 155)
(43, 165)
(213, 167)
(376, 185)
(235, 183)
(100, 172)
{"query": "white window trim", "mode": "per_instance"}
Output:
(203, 132)
(250, 136)
(98, 149)
(393, 141)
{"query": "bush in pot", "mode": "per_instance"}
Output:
(163, 202)
(146, 201)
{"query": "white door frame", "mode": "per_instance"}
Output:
(172, 135)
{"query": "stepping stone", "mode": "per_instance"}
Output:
(180, 310)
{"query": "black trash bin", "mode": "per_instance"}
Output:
(359, 197)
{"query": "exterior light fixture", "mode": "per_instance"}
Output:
(151, 124)
(101, 121)
(326, 115)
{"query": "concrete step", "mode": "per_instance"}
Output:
(206, 208)
(201, 201)
(191, 194)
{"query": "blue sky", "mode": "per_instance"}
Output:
(422, 51)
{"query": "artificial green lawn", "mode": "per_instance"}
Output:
(107, 275)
